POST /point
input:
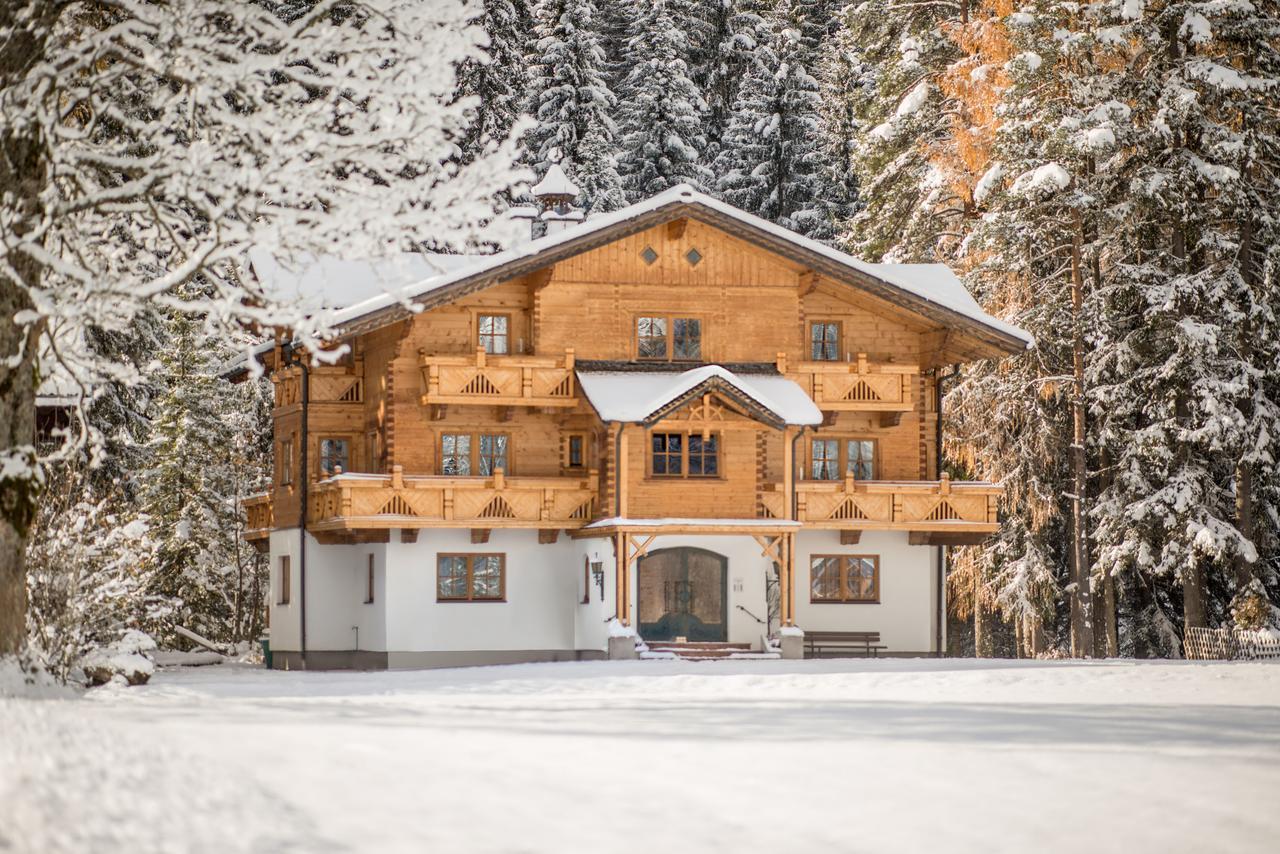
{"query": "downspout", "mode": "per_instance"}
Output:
(795, 469)
(942, 556)
(305, 474)
(617, 470)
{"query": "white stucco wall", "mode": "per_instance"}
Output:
(542, 592)
(591, 618)
(335, 603)
(905, 615)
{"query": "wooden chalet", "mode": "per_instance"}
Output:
(675, 423)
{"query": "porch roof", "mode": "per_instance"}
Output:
(637, 396)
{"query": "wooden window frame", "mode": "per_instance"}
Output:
(368, 584)
(845, 597)
(684, 474)
(471, 559)
(334, 437)
(670, 318)
(839, 325)
(510, 334)
(842, 461)
(286, 580)
(568, 462)
(473, 452)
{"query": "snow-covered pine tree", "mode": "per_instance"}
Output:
(204, 571)
(572, 102)
(1185, 302)
(902, 120)
(662, 112)
(496, 82)
(771, 161)
(725, 38)
(839, 73)
(1035, 253)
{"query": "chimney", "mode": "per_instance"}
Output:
(555, 192)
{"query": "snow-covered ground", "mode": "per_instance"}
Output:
(773, 756)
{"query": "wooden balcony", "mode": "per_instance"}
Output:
(498, 380)
(362, 501)
(325, 384)
(259, 518)
(858, 386)
(935, 507)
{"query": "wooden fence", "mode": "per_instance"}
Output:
(1201, 644)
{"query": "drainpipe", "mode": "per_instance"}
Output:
(938, 380)
(305, 474)
(618, 463)
(795, 470)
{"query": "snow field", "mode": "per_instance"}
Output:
(740, 756)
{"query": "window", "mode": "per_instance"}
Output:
(684, 455)
(494, 333)
(471, 578)
(702, 456)
(844, 578)
(335, 456)
(286, 462)
(860, 459)
(651, 337)
(832, 459)
(455, 453)
(493, 453)
(575, 452)
(665, 338)
(286, 581)
(464, 454)
(368, 582)
(824, 341)
(826, 459)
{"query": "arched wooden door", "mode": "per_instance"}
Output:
(684, 594)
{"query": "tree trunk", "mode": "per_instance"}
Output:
(22, 175)
(1110, 627)
(981, 630)
(1082, 615)
(1244, 470)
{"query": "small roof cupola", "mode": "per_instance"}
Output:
(555, 192)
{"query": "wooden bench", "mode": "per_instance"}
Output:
(832, 644)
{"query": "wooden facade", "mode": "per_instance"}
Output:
(470, 414)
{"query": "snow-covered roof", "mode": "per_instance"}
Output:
(925, 285)
(555, 183)
(330, 282)
(632, 396)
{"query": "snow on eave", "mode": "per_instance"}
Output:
(942, 293)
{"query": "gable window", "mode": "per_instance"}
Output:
(335, 456)
(286, 581)
(844, 578)
(824, 341)
(684, 455)
(471, 577)
(286, 462)
(464, 454)
(368, 582)
(666, 338)
(832, 459)
(494, 332)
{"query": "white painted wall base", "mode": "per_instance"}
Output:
(556, 608)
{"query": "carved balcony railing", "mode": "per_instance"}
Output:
(358, 501)
(498, 380)
(858, 386)
(259, 518)
(936, 506)
(325, 384)
(877, 505)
